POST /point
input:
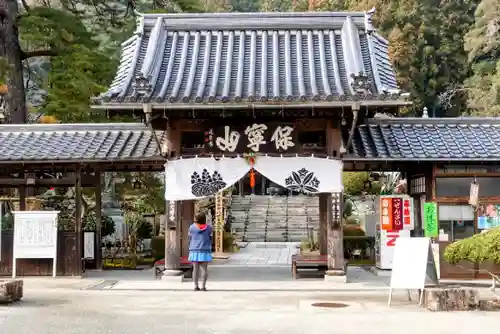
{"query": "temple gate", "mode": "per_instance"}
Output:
(276, 93)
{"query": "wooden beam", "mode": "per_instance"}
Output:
(67, 181)
(63, 166)
(22, 196)
(78, 222)
(98, 227)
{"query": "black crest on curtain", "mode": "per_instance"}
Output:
(302, 181)
(206, 184)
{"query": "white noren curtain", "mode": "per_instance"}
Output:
(196, 178)
(303, 174)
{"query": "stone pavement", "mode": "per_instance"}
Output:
(264, 254)
(273, 278)
(73, 311)
(242, 299)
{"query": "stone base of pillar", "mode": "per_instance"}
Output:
(335, 276)
(172, 276)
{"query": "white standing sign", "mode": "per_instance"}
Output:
(88, 245)
(413, 266)
(35, 237)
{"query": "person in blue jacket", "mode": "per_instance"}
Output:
(200, 250)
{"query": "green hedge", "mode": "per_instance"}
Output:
(158, 247)
(476, 249)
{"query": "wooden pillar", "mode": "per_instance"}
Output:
(186, 219)
(335, 237)
(334, 233)
(98, 215)
(172, 233)
(171, 242)
(325, 199)
(323, 222)
(22, 195)
(78, 222)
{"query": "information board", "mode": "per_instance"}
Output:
(88, 245)
(413, 265)
(35, 237)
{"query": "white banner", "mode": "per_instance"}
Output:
(196, 178)
(303, 174)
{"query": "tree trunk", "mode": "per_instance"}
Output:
(11, 52)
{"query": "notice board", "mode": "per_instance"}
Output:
(35, 237)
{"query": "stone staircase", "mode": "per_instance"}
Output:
(276, 227)
(274, 218)
(239, 215)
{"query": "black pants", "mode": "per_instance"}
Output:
(200, 267)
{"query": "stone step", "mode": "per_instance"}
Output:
(267, 218)
(256, 227)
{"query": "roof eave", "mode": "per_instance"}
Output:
(225, 106)
(434, 120)
(143, 160)
(416, 159)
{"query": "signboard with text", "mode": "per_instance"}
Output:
(396, 213)
(430, 220)
(256, 137)
(396, 221)
(35, 237)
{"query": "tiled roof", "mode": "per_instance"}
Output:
(77, 142)
(432, 139)
(254, 57)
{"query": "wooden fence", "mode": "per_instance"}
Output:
(68, 262)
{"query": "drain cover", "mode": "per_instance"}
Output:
(330, 305)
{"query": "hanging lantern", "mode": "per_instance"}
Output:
(252, 178)
(250, 159)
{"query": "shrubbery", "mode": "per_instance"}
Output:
(478, 248)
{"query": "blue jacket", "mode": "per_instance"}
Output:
(200, 239)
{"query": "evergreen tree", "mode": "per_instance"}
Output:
(69, 48)
(426, 46)
(245, 6)
(482, 44)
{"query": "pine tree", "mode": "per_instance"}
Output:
(69, 48)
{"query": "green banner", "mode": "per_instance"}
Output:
(430, 220)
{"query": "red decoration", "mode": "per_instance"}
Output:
(252, 178)
(250, 158)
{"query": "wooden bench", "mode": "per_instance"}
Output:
(184, 265)
(310, 261)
